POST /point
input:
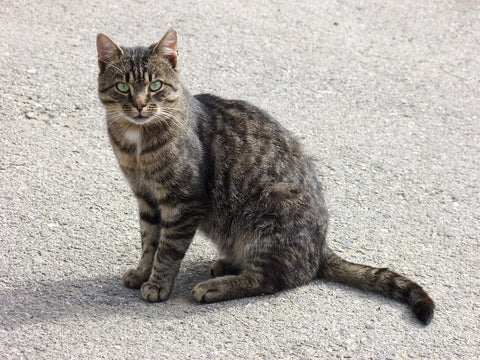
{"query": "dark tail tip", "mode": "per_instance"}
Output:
(424, 310)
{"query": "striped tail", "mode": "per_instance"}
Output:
(379, 280)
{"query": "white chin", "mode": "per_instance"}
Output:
(139, 120)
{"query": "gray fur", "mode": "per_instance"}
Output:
(227, 169)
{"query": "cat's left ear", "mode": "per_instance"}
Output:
(167, 47)
(107, 50)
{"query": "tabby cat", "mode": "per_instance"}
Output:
(227, 169)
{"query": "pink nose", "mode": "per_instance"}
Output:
(140, 106)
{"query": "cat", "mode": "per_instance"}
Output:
(228, 170)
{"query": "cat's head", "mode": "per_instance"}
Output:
(139, 84)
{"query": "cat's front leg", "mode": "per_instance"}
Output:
(150, 233)
(179, 224)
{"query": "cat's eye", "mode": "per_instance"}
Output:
(122, 87)
(156, 85)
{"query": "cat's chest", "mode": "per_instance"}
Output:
(141, 165)
(128, 148)
(134, 138)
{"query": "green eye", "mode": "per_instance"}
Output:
(156, 85)
(122, 87)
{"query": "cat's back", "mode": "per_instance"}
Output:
(249, 149)
(255, 166)
(245, 124)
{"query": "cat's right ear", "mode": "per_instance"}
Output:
(168, 47)
(107, 50)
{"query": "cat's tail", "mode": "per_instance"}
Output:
(379, 280)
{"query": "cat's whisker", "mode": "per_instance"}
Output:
(113, 116)
(173, 116)
(170, 115)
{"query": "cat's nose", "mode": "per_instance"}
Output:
(140, 105)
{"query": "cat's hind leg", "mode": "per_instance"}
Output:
(270, 269)
(248, 283)
(223, 267)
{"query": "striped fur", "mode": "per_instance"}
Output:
(227, 169)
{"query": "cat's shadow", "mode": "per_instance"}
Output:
(101, 297)
(97, 297)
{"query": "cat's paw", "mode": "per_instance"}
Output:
(153, 292)
(207, 292)
(134, 278)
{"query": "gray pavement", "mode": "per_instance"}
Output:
(384, 95)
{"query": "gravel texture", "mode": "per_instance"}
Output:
(385, 97)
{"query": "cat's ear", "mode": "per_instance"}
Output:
(107, 50)
(167, 47)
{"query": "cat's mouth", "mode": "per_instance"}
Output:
(140, 119)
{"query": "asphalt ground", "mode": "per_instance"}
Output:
(385, 96)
